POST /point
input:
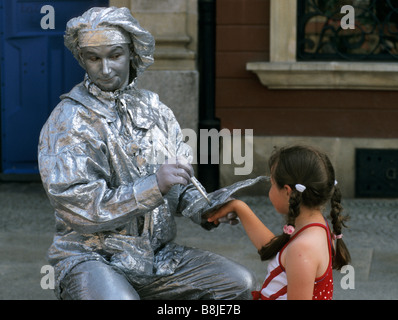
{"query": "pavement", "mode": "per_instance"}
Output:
(26, 230)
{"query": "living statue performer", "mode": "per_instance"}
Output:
(114, 200)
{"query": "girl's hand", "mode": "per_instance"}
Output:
(231, 218)
(258, 233)
(227, 213)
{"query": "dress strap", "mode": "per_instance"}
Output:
(309, 226)
(301, 230)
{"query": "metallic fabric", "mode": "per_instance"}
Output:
(104, 36)
(98, 159)
(143, 41)
(99, 174)
(199, 275)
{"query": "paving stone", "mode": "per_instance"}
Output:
(26, 230)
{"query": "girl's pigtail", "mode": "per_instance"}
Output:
(276, 244)
(273, 247)
(294, 206)
(342, 256)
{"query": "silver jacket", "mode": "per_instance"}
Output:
(98, 154)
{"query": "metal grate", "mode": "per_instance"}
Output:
(376, 173)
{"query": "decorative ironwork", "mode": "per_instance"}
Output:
(320, 34)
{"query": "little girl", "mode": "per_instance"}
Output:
(302, 182)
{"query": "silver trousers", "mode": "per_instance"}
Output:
(200, 275)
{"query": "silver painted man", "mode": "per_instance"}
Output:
(101, 158)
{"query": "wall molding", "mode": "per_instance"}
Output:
(283, 71)
(326, 75)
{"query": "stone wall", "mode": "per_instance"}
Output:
(174, 74)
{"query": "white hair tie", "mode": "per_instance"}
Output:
(300, 187)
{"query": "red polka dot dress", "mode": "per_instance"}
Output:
(275, 284)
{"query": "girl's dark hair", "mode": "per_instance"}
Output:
(313, 169)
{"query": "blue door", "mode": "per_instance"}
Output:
(35, 69)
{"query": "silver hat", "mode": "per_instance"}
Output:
(104, 26)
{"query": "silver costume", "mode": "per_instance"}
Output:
(98, 155)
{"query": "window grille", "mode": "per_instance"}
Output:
(320, 35)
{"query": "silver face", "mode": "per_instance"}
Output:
(107, 66)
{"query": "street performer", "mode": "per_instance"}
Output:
(114, 200)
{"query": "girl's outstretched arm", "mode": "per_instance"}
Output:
(258, 233)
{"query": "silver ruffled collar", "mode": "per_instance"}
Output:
(106, 95)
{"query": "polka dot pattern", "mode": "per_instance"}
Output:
(323, 289)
